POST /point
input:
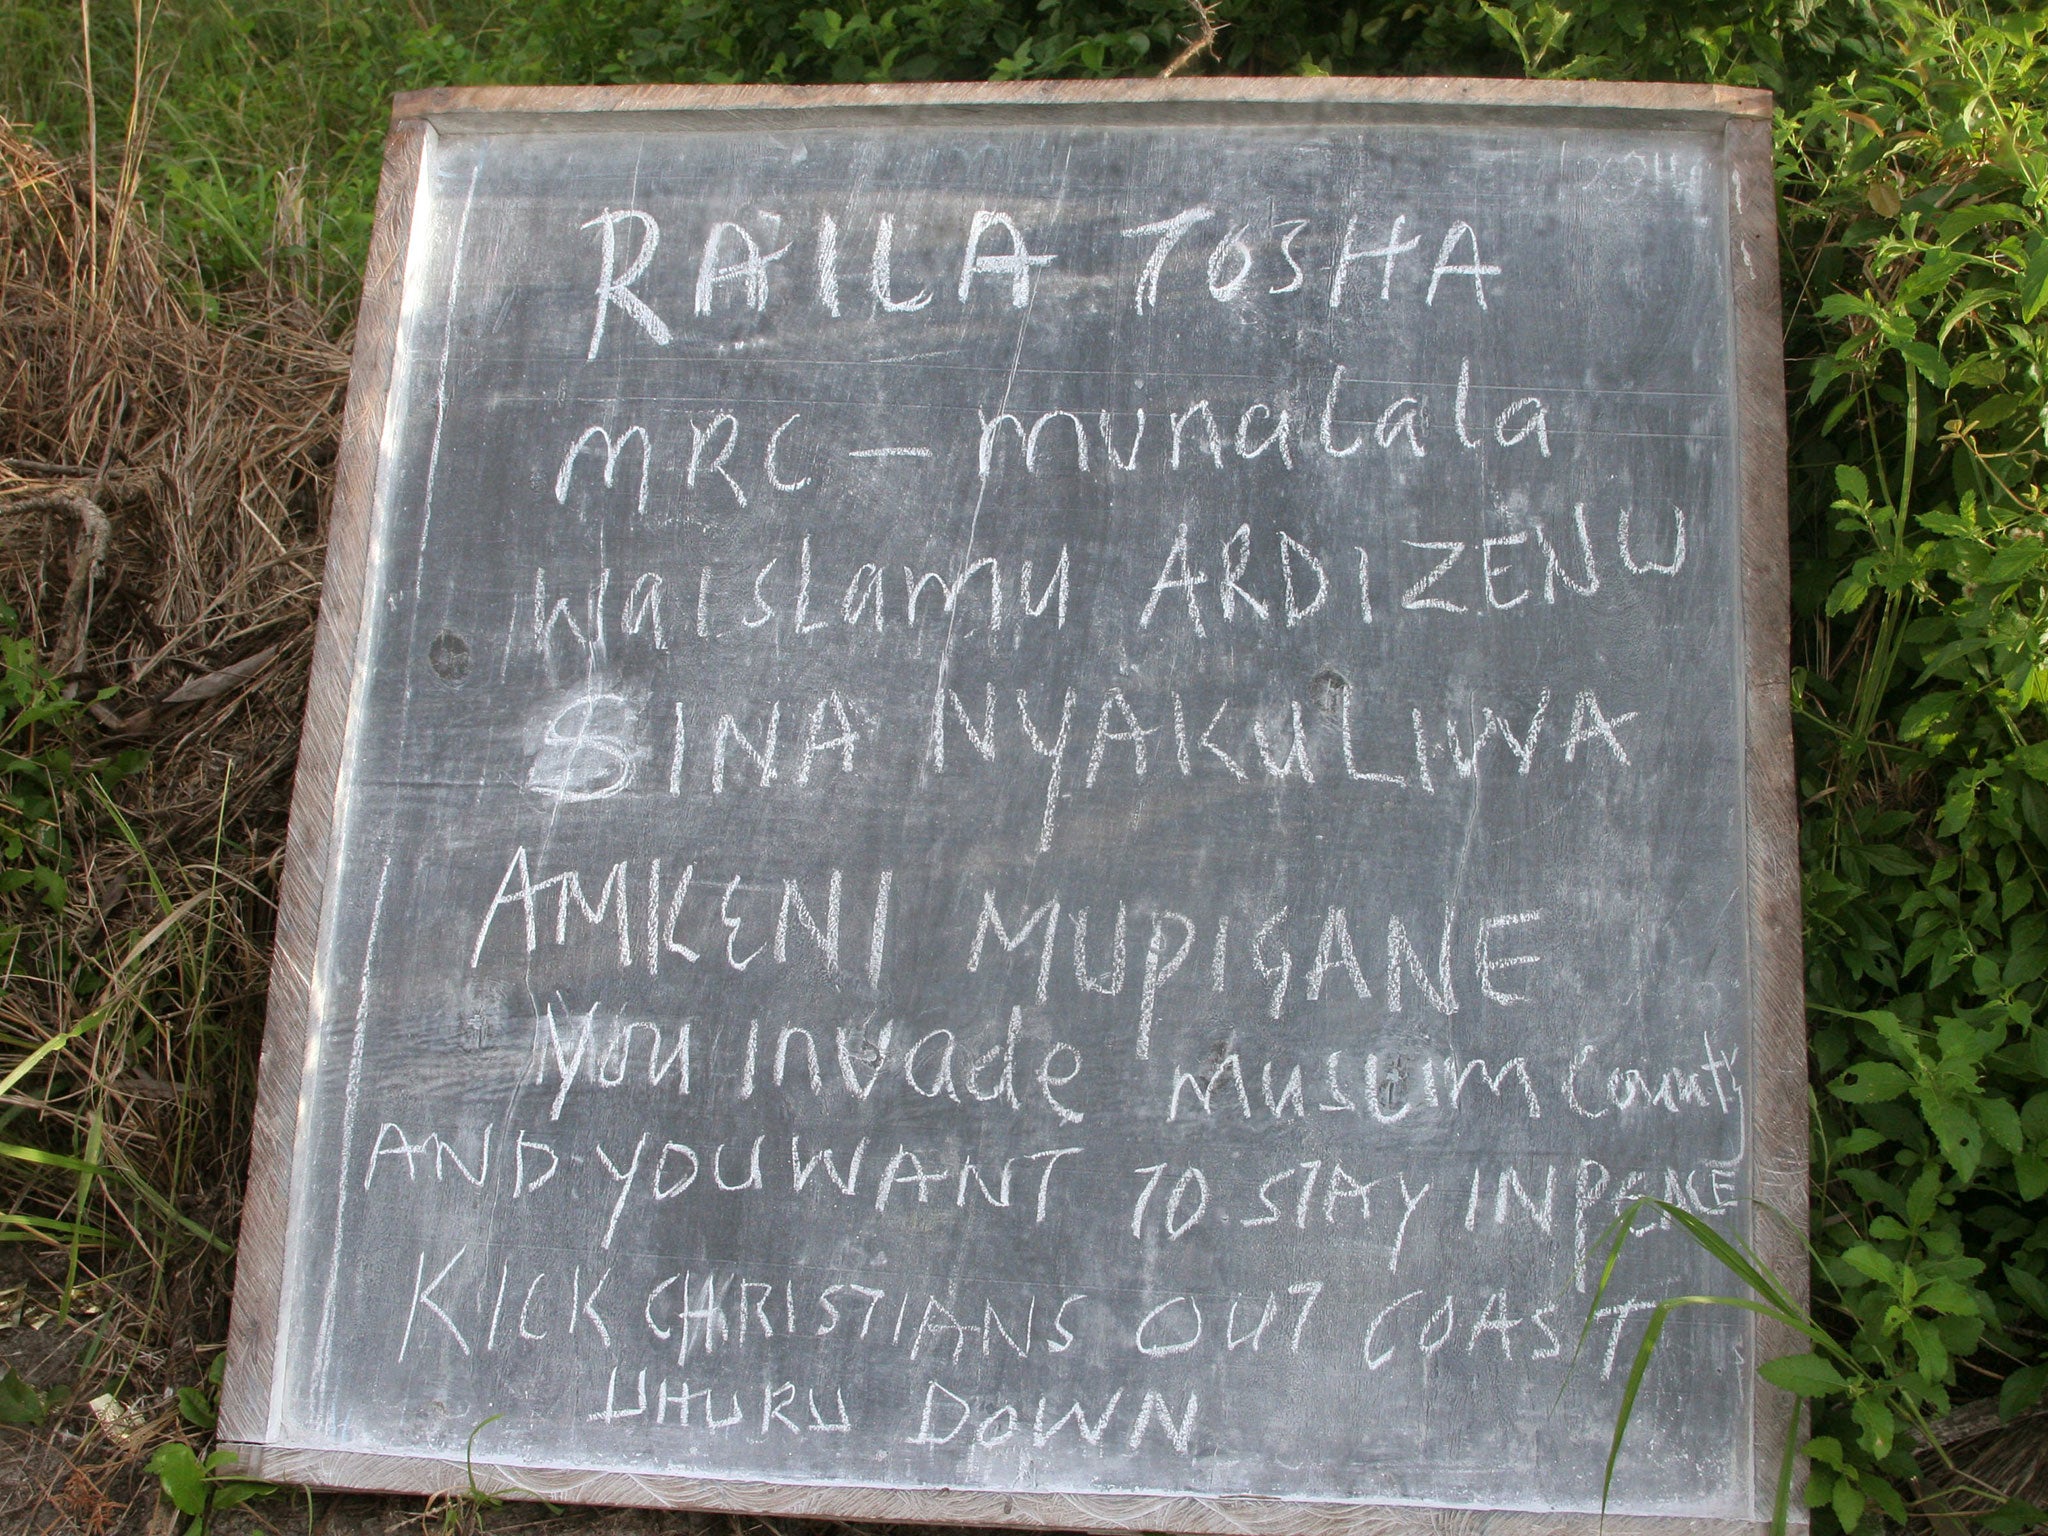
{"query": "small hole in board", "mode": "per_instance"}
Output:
(448, 655)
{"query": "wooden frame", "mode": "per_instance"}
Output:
(1777, 1113)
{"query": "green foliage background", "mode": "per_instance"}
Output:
(1912, 156)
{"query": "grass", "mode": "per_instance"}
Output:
(160, 506)
(264, 118)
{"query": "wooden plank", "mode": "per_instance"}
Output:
(1778, 1042)
(303, 881)
(1578, 96)
(946, 1506)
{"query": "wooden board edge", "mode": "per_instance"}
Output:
(260, 1246)
(1778, 1077)
(1196, 1516)
(1420, 91)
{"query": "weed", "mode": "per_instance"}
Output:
(20, 1403)
(200, 1406)
(201, 1488)
(158, 523)
(40, 777)
(1888, 1409)
(462, 1513)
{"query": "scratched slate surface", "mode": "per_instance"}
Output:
(1268, 801)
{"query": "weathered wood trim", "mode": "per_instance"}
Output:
(309, 842)
(1214, 1516)
(1719, 102)
(1778, 1079)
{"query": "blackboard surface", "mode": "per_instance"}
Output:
(1029, 807)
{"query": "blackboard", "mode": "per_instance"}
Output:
(1025, 804)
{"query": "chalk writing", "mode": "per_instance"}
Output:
(1091, 833)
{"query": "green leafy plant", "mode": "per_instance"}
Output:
(201, 1488)
(1916, 199)
(463, 1511)
(1829, 1371)
(200, 1406)
(20, 1403)
(1912, 159)
(38, 773)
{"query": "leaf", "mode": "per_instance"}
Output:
(1928, 1348)
(1838, 306)
(1993, 409)
(1820, 1487)
(2030, 1172)
(1923, 1197)
(1871, 1264)
(227, 1491)
(1886, 1498)
(1960, 1135)
(2017, 559)
(28, 1063)
(197, 1409)
(2001, 1122)
(1887, 1025)
(1807, 1375)
(2034, 283)
(20, 1403)
(1961, 220)
(184, 1481)
(2015, 1517)
(1857, 1142)
(2022, 1389)
(1935, 273)
(1927, 358)
(1871, 1082)
(227, 1495)
(2029, 1287)
(1948, 1297)
(1877, 1424)
(1848, 1504)
(1924, 713)
(211, 685)
(1889, 860)
(1851, 591)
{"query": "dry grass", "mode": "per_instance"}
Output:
(162, 486)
